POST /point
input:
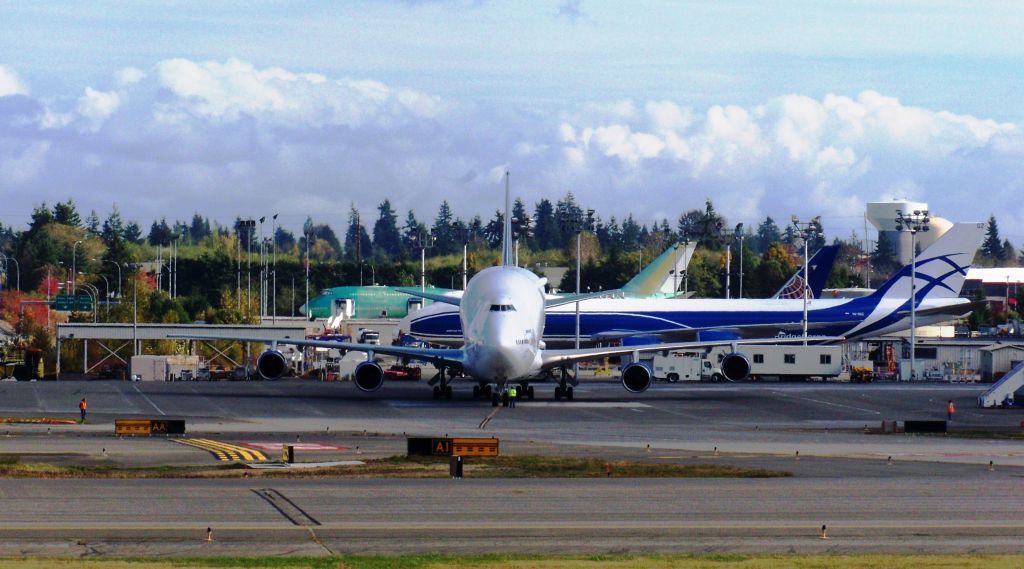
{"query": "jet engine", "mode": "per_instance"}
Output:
(735, 366)
(636, 378)
(368, 376)
(271, 364)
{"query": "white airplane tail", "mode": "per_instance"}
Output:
(941, 268)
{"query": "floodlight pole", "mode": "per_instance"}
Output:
(917, 221)
(807, 230)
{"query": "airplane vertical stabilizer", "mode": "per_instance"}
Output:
(506, 239)
(941, 268)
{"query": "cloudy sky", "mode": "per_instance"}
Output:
(250, 108)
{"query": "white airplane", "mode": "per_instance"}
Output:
(502, 314)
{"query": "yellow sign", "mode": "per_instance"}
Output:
(133, 427)
(474, 447)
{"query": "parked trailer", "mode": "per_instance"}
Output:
(782, 362)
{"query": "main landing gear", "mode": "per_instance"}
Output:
(442, 390)
(564, 389)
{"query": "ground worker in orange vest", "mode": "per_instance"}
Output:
(950, 409)
(82, 406)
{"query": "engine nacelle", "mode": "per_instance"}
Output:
(636, 378)
(271, 364)
(368, 376)
(735, 366)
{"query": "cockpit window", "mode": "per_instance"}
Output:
(502, 308)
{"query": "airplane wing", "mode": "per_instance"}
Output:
(433, 355)
(573, 298)
(455, 300)
(742, 331)
(558, 358)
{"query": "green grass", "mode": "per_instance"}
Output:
(526, 466)
(540, 562)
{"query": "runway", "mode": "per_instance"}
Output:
(936, 494)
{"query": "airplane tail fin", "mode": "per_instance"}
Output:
(818, 269)
(941, 268)
(506, 239)
(660, 274)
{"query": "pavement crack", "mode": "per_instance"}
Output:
(286, 507)
(487, 420)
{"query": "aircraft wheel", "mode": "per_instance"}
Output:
(448, 392)
(476, 392)
(486, 391)
(437, 392)
(494, 401)
(529, 393)
(568, 393)
(558, 392)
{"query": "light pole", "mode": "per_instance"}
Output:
(273, 243)
(574, 222)
(95, 294)
(424, 241)
(116, 264)
(912, 223)
(17, 268)
(263, 275)
(308, 313)
(807, 231)
(739, 233)
(74, 255)
(675, 269)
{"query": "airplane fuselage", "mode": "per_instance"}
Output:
(501, 318)
(852, 317)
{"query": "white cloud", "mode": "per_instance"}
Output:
(229, 137)
(10, 84)
(97, 106)
(129, 75)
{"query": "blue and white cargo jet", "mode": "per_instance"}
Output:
(941, 270)
(502, 316)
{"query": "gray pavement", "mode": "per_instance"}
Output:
(936, 495)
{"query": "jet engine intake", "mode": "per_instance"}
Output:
(271, 364)
(636, 378)
(368, 376)
(735, 366)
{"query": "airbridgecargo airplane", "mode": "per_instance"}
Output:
(940, 274)
(501, 316)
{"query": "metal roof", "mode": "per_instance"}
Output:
(104, 331)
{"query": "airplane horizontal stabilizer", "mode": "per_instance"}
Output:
(454, 300)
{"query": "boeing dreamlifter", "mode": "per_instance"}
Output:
(940, 273)
(502, 314)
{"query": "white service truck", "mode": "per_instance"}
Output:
(781, 362)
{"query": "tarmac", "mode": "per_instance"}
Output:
(936, 493)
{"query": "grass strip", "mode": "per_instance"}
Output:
(498, 561)
(526, 466)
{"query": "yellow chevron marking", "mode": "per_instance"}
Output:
(225, 451)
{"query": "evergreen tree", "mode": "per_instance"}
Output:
(92, 224)
(767, 233)
(113, 227)
(495, 229)
(160, 233)
(132, 233)
(357, 240)
(1009, 253)
(444, 238)
(883, 259)
(387, 240)
(992, 246)
(631, 234)
(284, 240)
(41, 216)
(67, 213)
(413, 232)
(567, 209)
(547, 234)
(198, 229)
